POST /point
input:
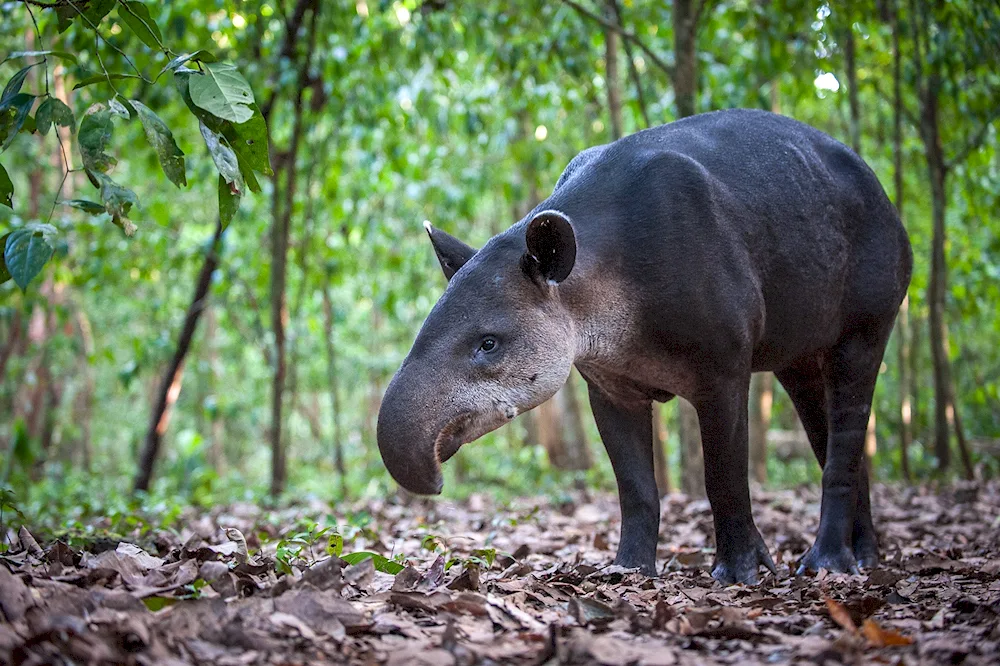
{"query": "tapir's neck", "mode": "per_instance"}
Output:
(602, 315)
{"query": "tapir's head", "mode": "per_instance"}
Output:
(498, 343)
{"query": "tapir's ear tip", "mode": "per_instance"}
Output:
(428, 227)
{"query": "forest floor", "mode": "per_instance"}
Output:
(529, 582)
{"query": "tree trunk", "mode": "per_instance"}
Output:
(282, 218)
(852, 79)
(692, 461)
(574, 434)
(661, 464)
(761, 400)
(928, 86)
(549, 433)
(333, 381)
(170, 387)
(559, 428)
(83, 409)
(903, 318)
(611, 65)
(216, 451)
(936, 291)
(685, 82)
(685, 72)
(279, 317)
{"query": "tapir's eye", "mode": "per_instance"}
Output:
(488, 344)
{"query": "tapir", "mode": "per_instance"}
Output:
(674, 262)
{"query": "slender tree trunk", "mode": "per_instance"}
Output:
(685, 67)
(661, 464)
(216, 451)
(761, 399)
(280, 229)
(916, 385)
(279, 317)
(936, 297)
(11, 343)
(575, 435)
(685, 82)
(903, 318)
(963, 446)
(633, 71)
(170, 387)
(611, 65)
(928, 87)
(334, 384)
(852, 79)
(548, 422)
(692, 461)
(84, 407)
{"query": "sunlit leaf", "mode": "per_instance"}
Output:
(32, 54)
(197, 56)
(26, 251)
(121, 107)
(224, 157)
(136, 17)
(53, 110)
(162, 140)
(223, 92)
(91, 207)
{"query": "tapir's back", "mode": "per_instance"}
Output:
(746, 205)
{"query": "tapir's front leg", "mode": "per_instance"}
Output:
(740, 550)
(628, 436)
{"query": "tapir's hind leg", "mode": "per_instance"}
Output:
(805, 385)
(846, 535)
(740, 551)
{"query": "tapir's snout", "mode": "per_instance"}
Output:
(407, 436)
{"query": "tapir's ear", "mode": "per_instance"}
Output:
(551, 246)
(451, 252)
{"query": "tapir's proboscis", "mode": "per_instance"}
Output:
(674, 262)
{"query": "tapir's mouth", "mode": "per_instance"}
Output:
(464, 428)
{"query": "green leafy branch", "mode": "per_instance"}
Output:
(217, 94)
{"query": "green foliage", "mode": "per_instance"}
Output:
(162, 140)
(222, 91)
(136, 16)
(6, 192)
(381, 562)
(409, 113)
(223, 99)
(26, 250)
(95, 134)
(51, 111)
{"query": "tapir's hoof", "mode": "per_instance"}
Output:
(645, 567)
(744, 567)
(866, 554)
(836, 560)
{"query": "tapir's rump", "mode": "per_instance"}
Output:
(675, 261)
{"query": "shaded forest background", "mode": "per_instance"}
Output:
(210, 326)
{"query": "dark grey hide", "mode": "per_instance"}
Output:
(676, 261)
